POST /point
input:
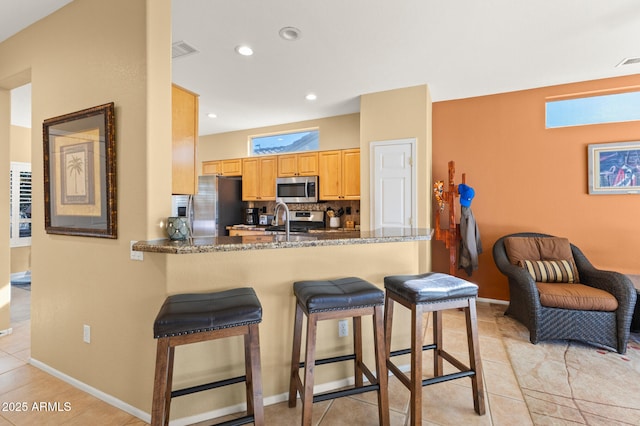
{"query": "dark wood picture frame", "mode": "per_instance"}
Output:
(80, 173)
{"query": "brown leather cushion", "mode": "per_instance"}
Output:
(554, 248)
(520, 249)
(576, 296)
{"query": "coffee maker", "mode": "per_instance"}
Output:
(250, 216)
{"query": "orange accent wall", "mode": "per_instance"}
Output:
(529, 178)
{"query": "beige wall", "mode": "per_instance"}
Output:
(20, 140)
(75, 60)
(20, 259)
(398, 114)
(339, 132)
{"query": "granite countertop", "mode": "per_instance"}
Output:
(260, 242)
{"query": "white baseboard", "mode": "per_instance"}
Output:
(495, 301)
(109, 399)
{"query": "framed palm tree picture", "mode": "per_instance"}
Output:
(80, 173)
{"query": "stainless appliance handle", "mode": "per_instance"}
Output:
(189, 213)
(306, 188)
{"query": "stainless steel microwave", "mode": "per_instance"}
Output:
(299, 189)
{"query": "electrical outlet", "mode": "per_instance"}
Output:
(343, 328)
(86, 333)
(134, 254)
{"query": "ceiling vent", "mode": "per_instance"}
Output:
(629, 61)
(180, 49)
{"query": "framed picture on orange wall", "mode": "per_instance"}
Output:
(614, 168)
(80, 173)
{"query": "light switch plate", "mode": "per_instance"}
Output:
(134, 254)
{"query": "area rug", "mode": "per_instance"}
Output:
(568, 383)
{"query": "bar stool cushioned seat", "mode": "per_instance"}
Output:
(198, 317)
(195, 313)
(335, 299)
(331, 295)
(430, 287)
(433, 292)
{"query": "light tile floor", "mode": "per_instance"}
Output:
(448, 403)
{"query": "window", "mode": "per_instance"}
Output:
(20, 204)
(594, 110)
(303, 140)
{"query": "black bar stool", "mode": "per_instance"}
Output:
(433, 292)
(332, 299)
(192, 318)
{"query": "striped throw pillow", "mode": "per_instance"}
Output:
(550, 271)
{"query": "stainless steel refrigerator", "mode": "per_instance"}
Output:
(217, 204)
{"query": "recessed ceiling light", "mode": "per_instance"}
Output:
(212, 115)
(290, 33)
(311, 97)
(244, 50)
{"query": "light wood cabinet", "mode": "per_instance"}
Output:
(231, 167)
(212, 167)
(184, 133)
(339, 173)
(300, 164)
(259, 178)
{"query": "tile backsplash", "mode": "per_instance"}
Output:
(353, 205)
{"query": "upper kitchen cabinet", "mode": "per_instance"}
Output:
(300, 164)
(339, 173)
(259, 178)
(184, 106)
(231, 167)
(212, 167)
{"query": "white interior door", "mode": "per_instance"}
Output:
(393, 201)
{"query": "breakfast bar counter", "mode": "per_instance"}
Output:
(277, 241)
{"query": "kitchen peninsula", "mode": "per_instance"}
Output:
(276, 241)
(271, 267)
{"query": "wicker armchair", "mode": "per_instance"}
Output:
(607, 329)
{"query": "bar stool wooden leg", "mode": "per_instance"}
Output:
(416, 364)
(474, 357)
(295, 357)
(162, 384)
(309, 369)
(255, 405)
(388, 323)
(167, 406)
(438, 364)
(381, 365)
(357, 346)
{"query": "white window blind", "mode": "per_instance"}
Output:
(20, 204)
